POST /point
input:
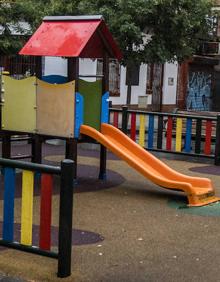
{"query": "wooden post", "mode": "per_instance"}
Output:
(124, 119)
(38, 67)
(105, 88)
(6, 145)
(36, 146)
(71, 143)
(36, 149)
(65, 219)
(71, 153)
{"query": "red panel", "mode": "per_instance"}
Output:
(169, 133)
(208, 137)
(73, 38)
(133, 126)
(45, 211)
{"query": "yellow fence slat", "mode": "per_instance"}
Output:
(142, 130)
(179, 126)
(27, 207)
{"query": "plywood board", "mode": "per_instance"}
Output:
(92, 94)
(55, 108)
(19, 104)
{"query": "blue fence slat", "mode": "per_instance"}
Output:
(9, 193)
(150, 141)
(188, 135)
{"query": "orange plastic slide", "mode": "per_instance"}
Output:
(199, 191)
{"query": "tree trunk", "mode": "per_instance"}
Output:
(128, 100)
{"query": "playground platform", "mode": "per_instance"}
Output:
(126, 228)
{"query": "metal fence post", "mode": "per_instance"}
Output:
(125, 119)
(217, 141)
(65, 220)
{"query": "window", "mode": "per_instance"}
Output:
(114, 76)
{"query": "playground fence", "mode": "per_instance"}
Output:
(192, 135)
(29, 171)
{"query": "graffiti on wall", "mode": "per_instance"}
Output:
(199, 91)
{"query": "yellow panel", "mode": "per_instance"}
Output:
(55, 108)
(179, 126)
(19, 104)
(142, 130)
(27, 207)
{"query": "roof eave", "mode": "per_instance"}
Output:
(72, 18)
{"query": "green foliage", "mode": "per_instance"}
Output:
(174, 28)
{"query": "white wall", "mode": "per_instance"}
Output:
(169, 91)
(58, 66)
(55, 65)
(136, 91)
(88, 67)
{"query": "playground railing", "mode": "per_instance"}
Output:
(192, 135)
(29, 171)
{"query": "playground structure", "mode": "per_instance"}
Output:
(78, 110)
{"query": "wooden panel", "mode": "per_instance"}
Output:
(55, 108)
(19, 104)
(92, 94)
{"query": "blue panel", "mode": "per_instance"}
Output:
(79, 110)
(59, 79)
(105, 108)
(151, 132)
(188, 135)
(9, 193)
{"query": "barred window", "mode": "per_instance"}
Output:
(114, 75)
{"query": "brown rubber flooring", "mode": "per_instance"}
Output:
(143, 238)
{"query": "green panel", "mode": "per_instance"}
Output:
(19, 104)
(92, 93)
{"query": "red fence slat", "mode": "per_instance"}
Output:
(169, 133)
(115, 119)
(45, 211)
(208, 137)
(133, 126)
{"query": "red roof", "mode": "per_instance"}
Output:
(82, 36)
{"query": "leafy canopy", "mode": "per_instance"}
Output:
(146, 30)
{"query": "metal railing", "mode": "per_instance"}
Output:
(186, 134)
(65, 210)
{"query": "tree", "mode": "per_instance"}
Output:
(154, 31)
(173, 27)
(147, 30)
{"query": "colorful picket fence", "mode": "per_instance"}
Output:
(27, 199)
(173, 133)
